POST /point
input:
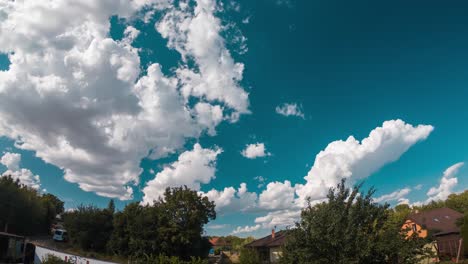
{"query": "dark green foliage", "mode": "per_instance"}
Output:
(249, 256)
(172, 226)
(350, 228)
(111, 206)
(23, 210)
(464, 233)
(458, 202)
(89, 227)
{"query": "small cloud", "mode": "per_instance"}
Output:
(216, 227)
(287, 3)
(246, 229)
(418, 187)
(253, 151)
(246, 20)
(261, 181)
(290, 109)
(398, 195)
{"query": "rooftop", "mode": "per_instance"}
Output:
(441, 220)
(269, 241)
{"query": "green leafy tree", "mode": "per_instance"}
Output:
(89, 227)
(350, 228)
(23, 210)
(458, 202)
(111, 206)
(172, 226)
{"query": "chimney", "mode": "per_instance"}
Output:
(273, 233)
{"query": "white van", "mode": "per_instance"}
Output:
(60, 235)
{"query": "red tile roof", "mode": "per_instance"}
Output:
(441, 220)
(268, 241)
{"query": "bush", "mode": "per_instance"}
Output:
(249, 256)
(161, 259)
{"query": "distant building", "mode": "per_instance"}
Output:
(441, 224)
(269, 247)
(219, 243)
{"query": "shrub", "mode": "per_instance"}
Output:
(249, 256)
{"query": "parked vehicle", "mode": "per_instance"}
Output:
(60, 235)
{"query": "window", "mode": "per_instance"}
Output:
(414, 227)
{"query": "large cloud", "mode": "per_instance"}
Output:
(354, 160)
(350, 159)
(76, 98)
(193, 168)
(195, 33)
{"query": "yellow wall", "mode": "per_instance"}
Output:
(408, 225)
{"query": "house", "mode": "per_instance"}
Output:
(440, 223)
(269, 247)
(219, 244)
(11, 248)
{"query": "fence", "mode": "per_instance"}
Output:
(41, 253)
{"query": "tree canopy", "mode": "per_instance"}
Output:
(171, 226)
(24, 210)
(350, 228)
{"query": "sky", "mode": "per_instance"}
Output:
(257, 105)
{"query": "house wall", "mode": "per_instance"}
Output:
(275, 254)
(408, 225)
(449, 244)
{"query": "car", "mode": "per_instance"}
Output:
(60, 235)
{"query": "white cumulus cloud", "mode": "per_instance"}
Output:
(446, 185)
(277, 196)
(77, 98)
(253, 151)
(350, 159)
(25, 176)
(354, 160)
(11, 160)
(231, 200)
(290, 109)
(397, 195)
(193, 168)
(245, 229)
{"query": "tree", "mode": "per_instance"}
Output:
(52, 206)
(23, 210)
(458, 202)
(349, 228)
(111, 206)
(172, 226)
(89, 227)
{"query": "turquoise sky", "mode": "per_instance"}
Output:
(347, 65)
